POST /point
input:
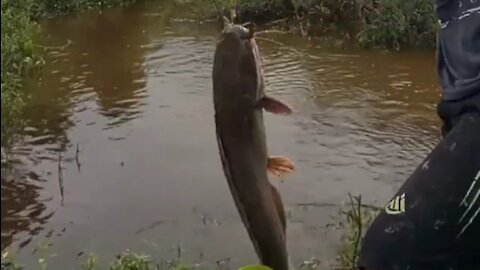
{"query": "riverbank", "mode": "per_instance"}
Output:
(387, 24)
(107, 136)
(17, 58)
(356, 217)
(125, 261)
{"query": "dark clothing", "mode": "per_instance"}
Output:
(433, 221)
(458, 48)
(451, 111)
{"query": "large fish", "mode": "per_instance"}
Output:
(239, 100)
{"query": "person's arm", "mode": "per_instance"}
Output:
(458, 48)
(458, 59)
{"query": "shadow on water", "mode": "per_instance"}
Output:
(103, 65)
(22, 209)
(119, 150)
(101, 70)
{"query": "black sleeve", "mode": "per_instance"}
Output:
(458, 48)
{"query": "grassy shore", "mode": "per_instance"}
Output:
(125, 261)
(390, 24)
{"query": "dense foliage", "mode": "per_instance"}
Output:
(391, 24)
(49, 8)
(396, 24)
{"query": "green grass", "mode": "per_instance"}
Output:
(126, 261)
(358, 218)
(17, 60)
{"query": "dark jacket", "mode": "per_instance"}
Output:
(458, 48)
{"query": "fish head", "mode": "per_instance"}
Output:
(237, 62)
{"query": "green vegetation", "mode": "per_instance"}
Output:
(391, 24)
(51, 8)
(358, 218)
(396, 24)
(17, 60)
(125, 261)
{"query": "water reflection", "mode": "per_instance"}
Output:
(373, 112)
(101, 70)
(23, 209)
(134, 92)
(111, 61)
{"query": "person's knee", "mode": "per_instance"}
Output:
(450, 112)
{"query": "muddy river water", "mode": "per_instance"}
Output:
(127, 110)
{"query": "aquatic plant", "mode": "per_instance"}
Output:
(358, 218)
(8, 262)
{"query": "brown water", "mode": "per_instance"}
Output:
(133, 94)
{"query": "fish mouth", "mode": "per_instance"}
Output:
(238, 51)
(243, 31)
(250, 26)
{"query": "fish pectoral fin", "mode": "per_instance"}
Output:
(275, 106)
(280, 165)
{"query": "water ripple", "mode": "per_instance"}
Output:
(137, 101)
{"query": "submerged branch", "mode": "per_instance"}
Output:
(60, 175)
(77, 161)
(357, 212)
(272, 31)
(62, 47)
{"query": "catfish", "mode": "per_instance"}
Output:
(239, 101)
